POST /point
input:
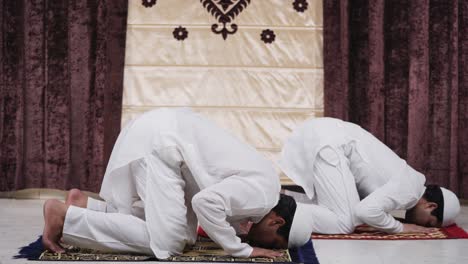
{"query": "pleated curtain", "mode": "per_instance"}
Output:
(61, 91)
(399, 69)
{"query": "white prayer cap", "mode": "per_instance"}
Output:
(451, 207)
(301, 228)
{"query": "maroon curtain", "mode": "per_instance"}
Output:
(399, 68)
(61, 91)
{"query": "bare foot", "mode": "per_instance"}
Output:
(76, 198)
(54, 216)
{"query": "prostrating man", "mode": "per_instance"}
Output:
(354, 179)
(170, 169)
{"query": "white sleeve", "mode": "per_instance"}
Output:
(375, 209)
(231, 197)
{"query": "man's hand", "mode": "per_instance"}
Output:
(264, 253)
(411, 228)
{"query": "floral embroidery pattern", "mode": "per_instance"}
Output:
(148, 3)
(268, 36)
(225, 3)
(180, 33)
(300, 5)
(225, 11)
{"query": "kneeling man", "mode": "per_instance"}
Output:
(354, 179)
(169, 170)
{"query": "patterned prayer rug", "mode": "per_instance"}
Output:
(365, 232)
(204, 250)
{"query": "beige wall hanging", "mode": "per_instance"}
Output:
(253, 66)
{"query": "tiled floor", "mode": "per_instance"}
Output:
(21, 222)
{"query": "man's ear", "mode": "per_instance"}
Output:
(431, 205)
(278, 220)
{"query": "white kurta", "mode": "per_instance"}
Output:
(352, 177)
(182, 168)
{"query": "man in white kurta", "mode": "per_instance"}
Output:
(170, 169)
(353, 178)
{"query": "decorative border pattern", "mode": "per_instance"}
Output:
(365, 232)
(204, 250)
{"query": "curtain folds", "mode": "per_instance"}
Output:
(398, 68)
(61, 91)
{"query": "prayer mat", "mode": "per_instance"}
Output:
(204, 250)
(365, 232)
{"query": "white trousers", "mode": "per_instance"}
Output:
(148, 212)
(104, 227)
(336, 192)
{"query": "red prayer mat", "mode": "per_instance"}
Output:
(365, 232)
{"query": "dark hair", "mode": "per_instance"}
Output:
(434, 194)
(286, 208)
